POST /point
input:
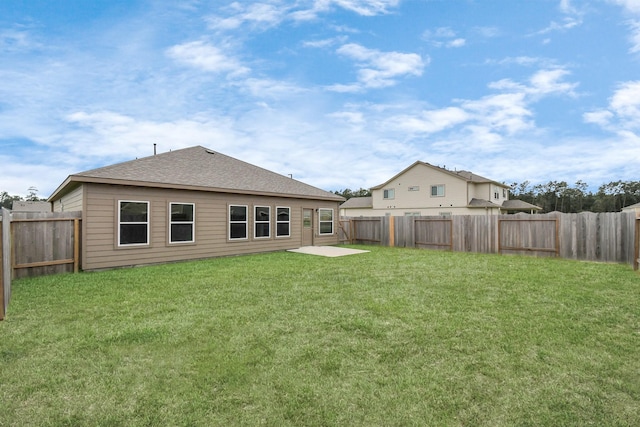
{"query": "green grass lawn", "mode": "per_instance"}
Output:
(394, 337)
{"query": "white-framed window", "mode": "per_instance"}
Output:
(182, 222)
(283, 221)
(262, 222)
(238, 222)
(414, 188)
(437, 190)
(412, 214)
(133, 223)
(504, 193)
(325, 219)
(389, 193)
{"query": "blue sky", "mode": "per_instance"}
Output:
(338, 93)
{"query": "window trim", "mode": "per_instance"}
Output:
(320, 222)
(192, 222)
(245, 222)
(256, 222)
(437, 186)
(278, 222)
(147, 223)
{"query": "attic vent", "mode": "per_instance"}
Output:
(211, 152)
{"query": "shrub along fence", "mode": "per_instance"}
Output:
(605, 237)
(34, 244)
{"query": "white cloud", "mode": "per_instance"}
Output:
(325, 42)
(353, 118)
(16, 40)
(567, 23)
(367, 7)
(525, 61)
(488, 122)
(429, 121)
(381, 69)
(443, 37)
(487, 32)
(572, 18)
(507, 113)
(269, 88)
(623, 113)
(104, 133)
(543, 82)
(263, 15)
(546, 82)
(566, 6)
(625, 103)
(257, 15)
(207, 57)
(599, 117)
(342, 88)
(632, 6)
(634, 38)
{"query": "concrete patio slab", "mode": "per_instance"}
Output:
(328, 251)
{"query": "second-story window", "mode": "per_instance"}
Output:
(437, 190)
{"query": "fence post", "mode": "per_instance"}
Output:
(5, 280)
(391, 231)
(76, 245)
(2, 307)
(636, 256)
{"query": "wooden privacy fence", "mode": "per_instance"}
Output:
(35, 244)
(606, 237)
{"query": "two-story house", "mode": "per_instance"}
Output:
(423, 189)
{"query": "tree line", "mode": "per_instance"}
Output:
(561, 196)
(6, 200)
(348, 193)
(552, 196)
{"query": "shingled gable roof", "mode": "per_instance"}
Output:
(197, 168)
(464, 175)
(358, 202)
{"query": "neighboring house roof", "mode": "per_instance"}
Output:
(481, 203)
(196, 168)
(631, 207)
(464, 175)
(358, 202)
(519, 205)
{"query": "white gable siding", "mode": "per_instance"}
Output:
(420, 179)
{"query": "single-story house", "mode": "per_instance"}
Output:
(423, 189)
(189, 204)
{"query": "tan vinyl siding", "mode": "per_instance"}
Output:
(101, 250)
(71, 201)
(423, 177)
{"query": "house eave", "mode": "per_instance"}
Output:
(68, 185)
(442, 170)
